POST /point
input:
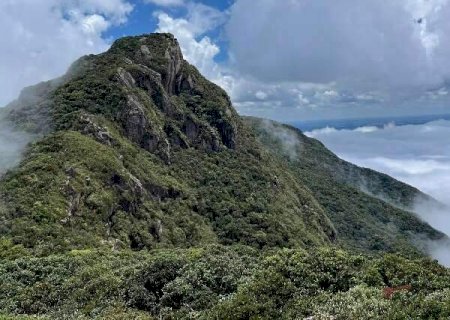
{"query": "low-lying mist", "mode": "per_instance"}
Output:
(438, 216)
(287, 139)
(12, 145)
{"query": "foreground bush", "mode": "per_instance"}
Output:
(222, 283)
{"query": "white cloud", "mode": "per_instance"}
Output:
(288, 140)
(198, 48)
(201, 52)
(261, 95)
(321, 132)
(45, 37)
(369, 42)
(166, 3)
(330, 93)
(286, 63)
(366, 129)
(115, 10)
(407, 167)
(295, 100)
(391, 56)
(302, 100)
(94, 24)
(204, 18)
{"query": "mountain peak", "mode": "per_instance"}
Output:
(158, 51)
(142, 83)
(190, 111)
(146, 152)
(141, 142)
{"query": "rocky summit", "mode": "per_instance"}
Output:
(144, 195)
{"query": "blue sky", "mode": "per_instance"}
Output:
(143, 20)
(286, 60)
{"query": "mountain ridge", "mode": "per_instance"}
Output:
(111, 106)
(145, 195)
(142, 96)
(326, 174)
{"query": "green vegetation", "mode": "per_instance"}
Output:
(139, 160)
(346, 192)
(145, 196)
(223, 283)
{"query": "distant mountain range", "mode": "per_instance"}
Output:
(354, 123)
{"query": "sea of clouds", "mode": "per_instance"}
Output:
(416, 154)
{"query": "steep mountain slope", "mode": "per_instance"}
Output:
(138, 150)
(146, 196)
(368, 209)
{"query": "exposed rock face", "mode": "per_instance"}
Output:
(126, 78)
(91, 128)
(191, 129)
(135, 121)
(175, 60)
(184, 84)
(163, 103)
(179, 108)
(227, 132)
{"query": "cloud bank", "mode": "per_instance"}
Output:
(416, 154)
(368, 56)
(323, 41)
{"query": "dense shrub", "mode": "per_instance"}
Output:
(223, 283)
